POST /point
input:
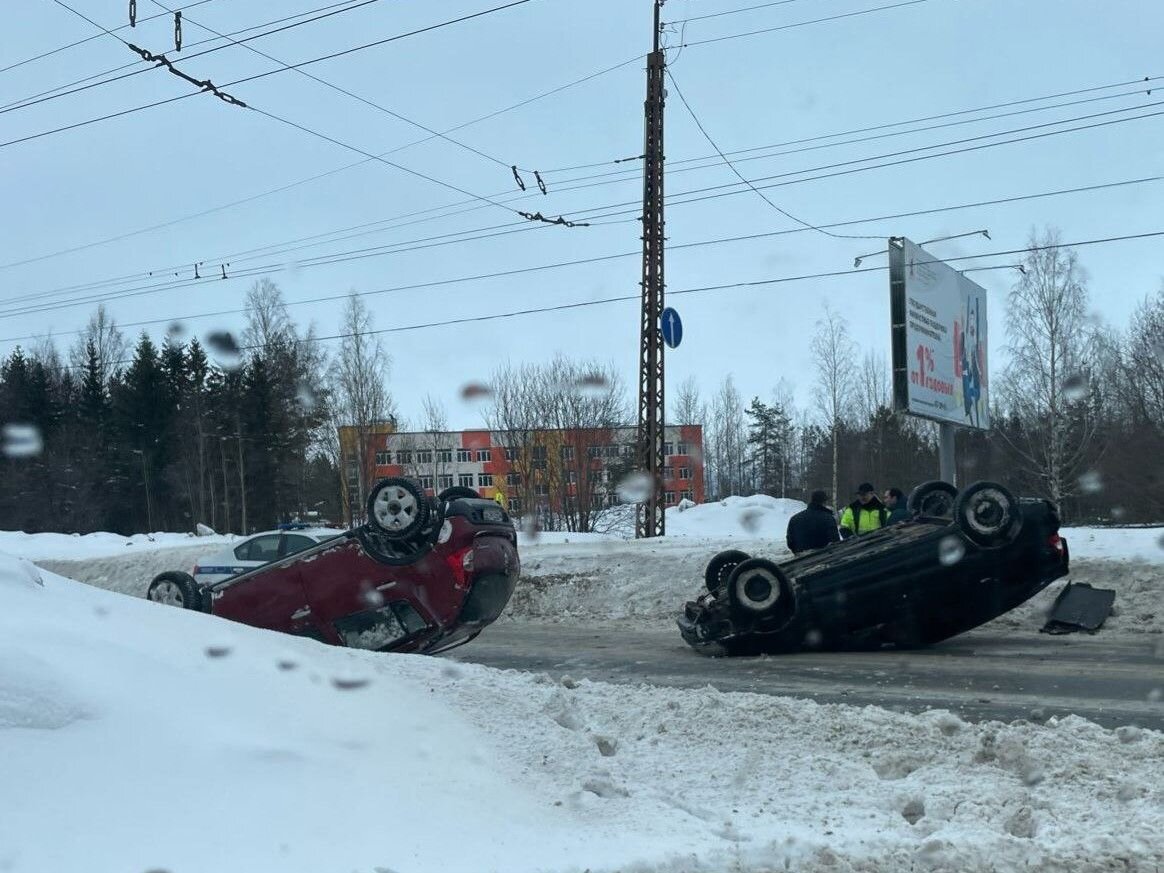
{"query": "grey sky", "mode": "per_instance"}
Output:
(917, 60)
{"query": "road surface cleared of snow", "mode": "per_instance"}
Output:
(138, 737)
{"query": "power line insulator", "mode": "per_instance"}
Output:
(133, 13)
(178, 31)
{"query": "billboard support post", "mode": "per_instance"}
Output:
(946, 466)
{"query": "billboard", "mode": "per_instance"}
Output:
(938, 339)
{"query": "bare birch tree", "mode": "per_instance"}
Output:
(834, 354)
(1052, 349)
(107, 339)
(361, 397)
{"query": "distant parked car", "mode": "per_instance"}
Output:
(961, 561)
(257, 550)
(422, 575)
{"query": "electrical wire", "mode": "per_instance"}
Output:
(802, 23)
(358, 255)
(731, 12)
(474, 319)
(256, 77)
(136, 70)
(742, 178)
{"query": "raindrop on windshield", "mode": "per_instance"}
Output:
(176, 330)
(217, 651)
(22, 441)
(592, 384)
(371, 596)
(1118, 513)
(475, 392)
(1075, 388)
(350, 683)
(951, 551)
(1091, 482)
(305, 394)
(225, 349)
(750, 520)
(635, 488)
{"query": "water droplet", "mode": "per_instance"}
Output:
(750, 520)
(305, 394)
(1075, 388)
(529, 526)
(350, 683)
(1127, 792)
(1156, 695)
(475, 392)
(176, 330)
(635, 488)
(225, 349)
(1160, 542)
(592, 384)
(1118, 513)
(286, 664)
(814, 639)
(22, 441)
(371, 596)
(1128, 733)
(1091, 482)
(951, 550)
(217, 651)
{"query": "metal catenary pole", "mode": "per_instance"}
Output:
(651, 519)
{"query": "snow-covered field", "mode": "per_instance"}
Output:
(141, 737)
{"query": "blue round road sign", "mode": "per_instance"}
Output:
(672, 327)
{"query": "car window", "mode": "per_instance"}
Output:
(264, 548)
(293, 543)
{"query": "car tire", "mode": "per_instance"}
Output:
(933, 499)
(988, 515)
(456, 492)
(719, 568)
(175, 588)
(398, 508)
(756, 587)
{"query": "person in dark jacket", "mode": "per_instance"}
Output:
(865, 514)
(812, 528)
(895, 503)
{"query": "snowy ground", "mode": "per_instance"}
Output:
(141, 737)
(100, 545)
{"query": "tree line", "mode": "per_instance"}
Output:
(242, 434)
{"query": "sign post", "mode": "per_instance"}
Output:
(938, 342)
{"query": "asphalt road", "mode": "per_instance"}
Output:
(979, 675)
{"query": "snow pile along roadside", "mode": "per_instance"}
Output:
(536, 774)
(58, 546)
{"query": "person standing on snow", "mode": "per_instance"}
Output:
(864, 514)
(814, 527)
(895, 503)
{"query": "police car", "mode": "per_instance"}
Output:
(257, 550)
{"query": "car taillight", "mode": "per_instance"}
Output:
(461, 564)
(1056, 542)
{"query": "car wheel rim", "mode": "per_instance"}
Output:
(758, 590)
(989, 514)
(395, 508)
(937, 505)
(167, 593)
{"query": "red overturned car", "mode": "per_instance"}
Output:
(421, 575)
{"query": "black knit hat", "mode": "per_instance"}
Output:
(865, 488)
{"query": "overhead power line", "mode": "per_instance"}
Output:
(756, 283)
(264, 75)
(423, 244)
(692, 18)
(781, 27)
(62, 48)
(742, 178)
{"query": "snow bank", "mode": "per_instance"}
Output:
(154, 738)
(1145, 544)
(97, 545)
(758, 516)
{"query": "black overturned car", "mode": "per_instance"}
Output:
(963, 559)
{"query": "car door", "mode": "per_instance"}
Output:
(273, 598)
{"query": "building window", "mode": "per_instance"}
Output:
(628, 450)
(424, 456)
(670, 498)
(538, 453)
(684, 472)
(514, 505)
(567, 453)
(353, 473)
(511, 453)
(484, 480)
(539, 463)
(687, 495)
(464, 456)
(484, 455)
(445, 456)
(465, 480)
(594, 451)
(668, 472)
(667, 449)
(426, 483)
(572, 477)
(681, 449)
(383, 459)
(542, 489)
(445, 482)
(594, 476)
(513, 478)
(404, 456)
